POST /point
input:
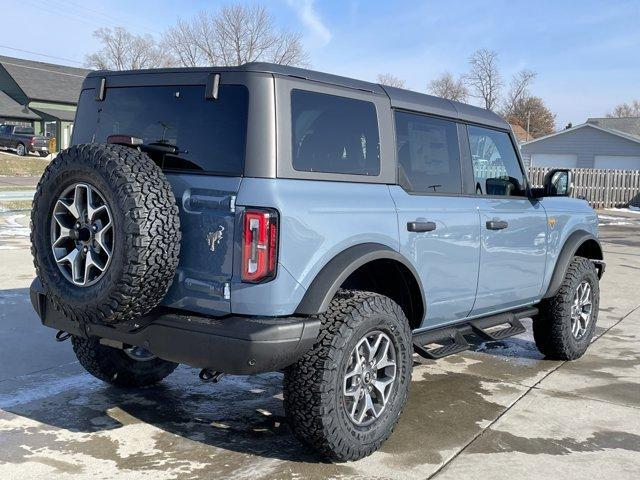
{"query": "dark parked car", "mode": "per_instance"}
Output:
(23, 140)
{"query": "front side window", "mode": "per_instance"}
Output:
(495, 164)
(428, 154)
(332, 134)
(210, 135)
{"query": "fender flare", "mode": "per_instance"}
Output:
(327, 282)
(569, 249)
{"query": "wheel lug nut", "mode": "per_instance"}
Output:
(85, 249)
(94, 228)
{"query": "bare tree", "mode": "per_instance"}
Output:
(234, 35)
(626, 110)
(518, 89)
(533, 115)
(182, 43)
(390, 80)
(123, 50)
(446, 86)
(484, 79)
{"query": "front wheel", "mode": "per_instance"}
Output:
(565, 326)
(127, 367)
(345, 396)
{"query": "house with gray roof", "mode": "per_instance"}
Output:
(612, 143)
(41, 95)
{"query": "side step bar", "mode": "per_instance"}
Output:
(451, 339)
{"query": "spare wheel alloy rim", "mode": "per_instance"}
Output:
(82, 235)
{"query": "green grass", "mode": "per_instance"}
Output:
(28, 166)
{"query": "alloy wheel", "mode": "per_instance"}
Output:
(581, 310)
(82, 237)
(369, 379)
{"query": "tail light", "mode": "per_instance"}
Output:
(259, 245)
(32, 142)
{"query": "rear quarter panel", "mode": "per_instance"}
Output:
(318, 220)
(565, 216)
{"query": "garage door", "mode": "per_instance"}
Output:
(554, 161)
(617, 161)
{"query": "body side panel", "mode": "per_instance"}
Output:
(318, 220)
(567, 215)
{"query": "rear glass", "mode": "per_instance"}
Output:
(210, 134)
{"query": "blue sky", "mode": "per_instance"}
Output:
(586, 53)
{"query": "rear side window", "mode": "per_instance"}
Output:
(428, 154)
(334, 134)
(23, 131)
(496, 167)
(210, 134)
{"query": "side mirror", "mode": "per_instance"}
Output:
(558, 183)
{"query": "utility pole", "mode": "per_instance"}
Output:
(528, 123)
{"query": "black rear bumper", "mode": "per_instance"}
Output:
(235, 345)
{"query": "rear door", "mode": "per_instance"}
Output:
(205, 174)
(438, 226)
(513, 226)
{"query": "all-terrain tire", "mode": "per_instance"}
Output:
(313, 388)
(114, 366)
(552, 326)
(146, 228)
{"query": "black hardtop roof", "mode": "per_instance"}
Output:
(400, 98)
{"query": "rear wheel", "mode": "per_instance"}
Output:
(129, 367)
(345, 396)
(21, 151)
(565, 326)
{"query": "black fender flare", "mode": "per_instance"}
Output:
(569, 249)
(327, 282)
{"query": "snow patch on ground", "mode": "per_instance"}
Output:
(630, 209)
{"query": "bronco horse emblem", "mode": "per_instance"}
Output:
(213, 238)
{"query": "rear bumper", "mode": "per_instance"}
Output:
(235, 345)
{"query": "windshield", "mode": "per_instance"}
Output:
(210, 135)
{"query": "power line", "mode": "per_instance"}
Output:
(40, 54)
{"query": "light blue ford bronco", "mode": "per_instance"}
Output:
(261, 218)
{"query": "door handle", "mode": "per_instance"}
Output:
(496, 224)
(421, 226)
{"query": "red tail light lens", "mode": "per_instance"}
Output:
(259, 245)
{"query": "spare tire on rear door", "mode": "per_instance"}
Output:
(105, 233)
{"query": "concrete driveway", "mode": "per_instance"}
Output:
(499, 412)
